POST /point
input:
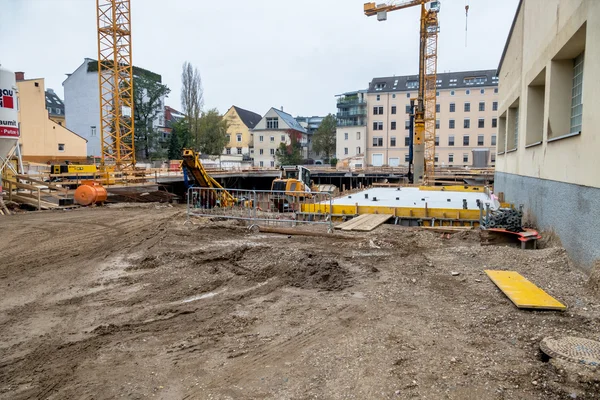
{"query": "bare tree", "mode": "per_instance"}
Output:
(192, 99)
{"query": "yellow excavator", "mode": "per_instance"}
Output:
(194, 170)
(294, 184)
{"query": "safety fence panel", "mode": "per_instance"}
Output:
(262, 206)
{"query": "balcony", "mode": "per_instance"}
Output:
(352, 113)
(350, 101)
(352, 122)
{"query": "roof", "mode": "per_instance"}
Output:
(445, 80)
(92, 66)
(512, 28)
(53, 102)
(249, 118)
(290, 121)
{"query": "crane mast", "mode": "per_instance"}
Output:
(423, 140)
(115, 80)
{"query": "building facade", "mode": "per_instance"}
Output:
(241, 122)
(311, 124)
(55, 107)
(547, 141)
(82, 103)
(43, 140)
(467, 118)
(351, 132)
(273, 130)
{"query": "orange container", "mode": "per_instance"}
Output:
(90, 193)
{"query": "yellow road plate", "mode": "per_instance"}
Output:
(523, 293)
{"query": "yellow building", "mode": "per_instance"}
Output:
(43, 140)
(240, 123)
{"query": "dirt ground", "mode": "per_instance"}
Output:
(130, 302)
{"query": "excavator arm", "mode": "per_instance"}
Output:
(191, 163)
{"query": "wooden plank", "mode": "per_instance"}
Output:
(44, 205)
(373, 222)
(347, 226)
(447, 229)
(522, 292)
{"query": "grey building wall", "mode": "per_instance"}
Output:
(572, 211)
(82, 106)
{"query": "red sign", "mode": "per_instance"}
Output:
(5, 131)
(7, 102)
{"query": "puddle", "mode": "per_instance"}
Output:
(201, 297)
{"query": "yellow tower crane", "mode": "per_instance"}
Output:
(115, 80)
(425, 112)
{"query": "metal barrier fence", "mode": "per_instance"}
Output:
(262, 206)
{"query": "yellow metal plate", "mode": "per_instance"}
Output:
(523, 293)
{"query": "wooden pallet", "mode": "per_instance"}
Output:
(365, 222)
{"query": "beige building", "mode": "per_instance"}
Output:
(272, 130)
(466, 118)
(43, 140)
(548, 141)
(241, 122)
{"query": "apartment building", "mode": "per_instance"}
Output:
(55, 107)
(272, 130)
(241, 122)
(467, 118)
(351, 132)
(548, 140)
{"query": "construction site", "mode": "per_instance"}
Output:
(305, 281)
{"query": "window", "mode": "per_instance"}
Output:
(377, 142)
(393, 109)
(466, 157)
(358, 150)
(407, 140)
(394, 96)
(481, 123)
(493, 157)
(393, 141)
(494, 122)
(262, 164)
(482, 106)
(283, 138)
(378, 97)
(406, 157)
(437, 94)
(357, 135)
(467, 123)
(272, 164)
(58, 111)
(377, 126)
(393, 125)
(495, 106)
(482, 91)
(239, 137)
(451, 124)
(273, 123)
(380, 110)
(261, 138)
(272, 138)
(436, 158)
(61, 147)
(452, 107)
(345, 136)
(228, 151)
(262, 151)
(495, 90)
(239, 150)
(437, 140)
(475, 80)
(437, 108)
(407, 124)
(452, 93)
(408, 109)
(451, 140)
(345, 151)
(377, 110)
(468, 92)
(93, 130)
(493, 140)
(411, 85)
(437, 124)
(467, 107)
(479, 140)
(450, 158)
(272, 151)
(408, 95)
(577, 95)
(465, 140)
(228, 137)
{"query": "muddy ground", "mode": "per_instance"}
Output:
(130, 302)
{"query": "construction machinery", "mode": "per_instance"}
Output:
(423, 137)
(295, 184)
(194, 171)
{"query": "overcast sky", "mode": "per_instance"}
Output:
(255, 53)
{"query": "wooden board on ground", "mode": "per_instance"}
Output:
(522, 292)
(365, 222)
(447, 229)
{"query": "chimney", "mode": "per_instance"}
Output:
(20, 76)
(281, 108)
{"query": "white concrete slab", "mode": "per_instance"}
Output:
(416, 198)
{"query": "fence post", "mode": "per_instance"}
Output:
(254, 206)
(330, 213)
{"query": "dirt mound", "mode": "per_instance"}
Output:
(318, 274)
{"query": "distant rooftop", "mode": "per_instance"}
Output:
(445, 80)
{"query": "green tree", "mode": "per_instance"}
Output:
(290, 154)
(174, 152)
(212, 128)
(324, 137)
(147, 96)
(180, 138)
(192, 99)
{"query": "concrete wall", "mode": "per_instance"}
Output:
(565, 208)
(548, 168)
(43, 140)
(82, 107)
(444, 150)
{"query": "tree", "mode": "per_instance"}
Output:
(212, 128)
(179, 139)
(174, 151)
(290, 154)
(148, 94)
(192, 99)
(324, 137)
